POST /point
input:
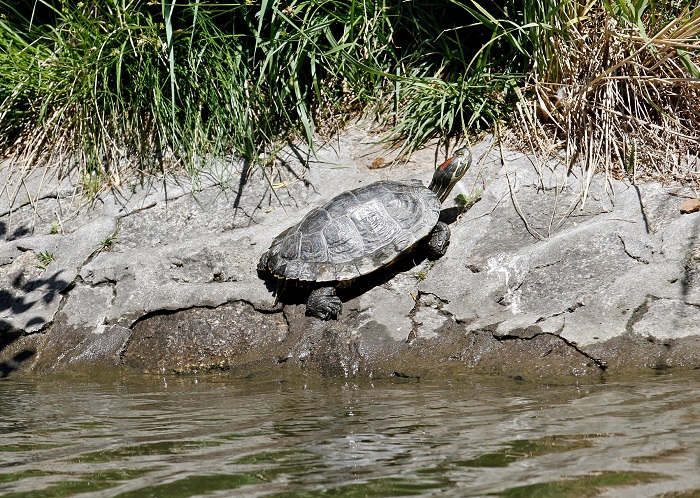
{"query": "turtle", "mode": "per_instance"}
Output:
(362, 230)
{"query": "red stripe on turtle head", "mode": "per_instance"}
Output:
(444, 165)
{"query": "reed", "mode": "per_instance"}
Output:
(615, 85)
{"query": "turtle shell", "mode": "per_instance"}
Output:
(355, 233)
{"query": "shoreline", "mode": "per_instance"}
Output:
(162, 278)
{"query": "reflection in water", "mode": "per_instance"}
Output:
(223, 437)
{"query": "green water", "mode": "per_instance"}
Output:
(219, 436)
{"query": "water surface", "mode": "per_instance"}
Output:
(219, 436)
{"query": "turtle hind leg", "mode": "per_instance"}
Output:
(438, 240)
(324, 304)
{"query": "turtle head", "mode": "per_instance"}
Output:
(450, 172)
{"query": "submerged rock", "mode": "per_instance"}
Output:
(537, 281)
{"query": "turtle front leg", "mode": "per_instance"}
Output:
(438, 240)
(324, 304)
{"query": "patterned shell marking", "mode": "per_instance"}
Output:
(356, 232)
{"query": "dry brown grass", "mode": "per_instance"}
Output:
(620, 92)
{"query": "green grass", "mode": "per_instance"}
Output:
(108, 243)
(119, 88)
(45, 259)
(116, 87)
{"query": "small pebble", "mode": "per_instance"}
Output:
(690, 206)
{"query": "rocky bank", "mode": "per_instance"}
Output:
(161, 277)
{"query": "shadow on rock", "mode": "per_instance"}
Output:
(295, 292)
(19, 232)
(14, 362)
(17, 303)
(14, 302)
(450, 215)
(691, 264)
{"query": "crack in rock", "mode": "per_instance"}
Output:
(597, 362)
(427, 316)
(638, 313)
(628, 251)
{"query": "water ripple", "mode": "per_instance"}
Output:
(221, 436)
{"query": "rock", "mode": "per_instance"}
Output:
(162, 277)
(690, 206)
(232, 336)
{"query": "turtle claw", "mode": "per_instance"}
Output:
(324, 304)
